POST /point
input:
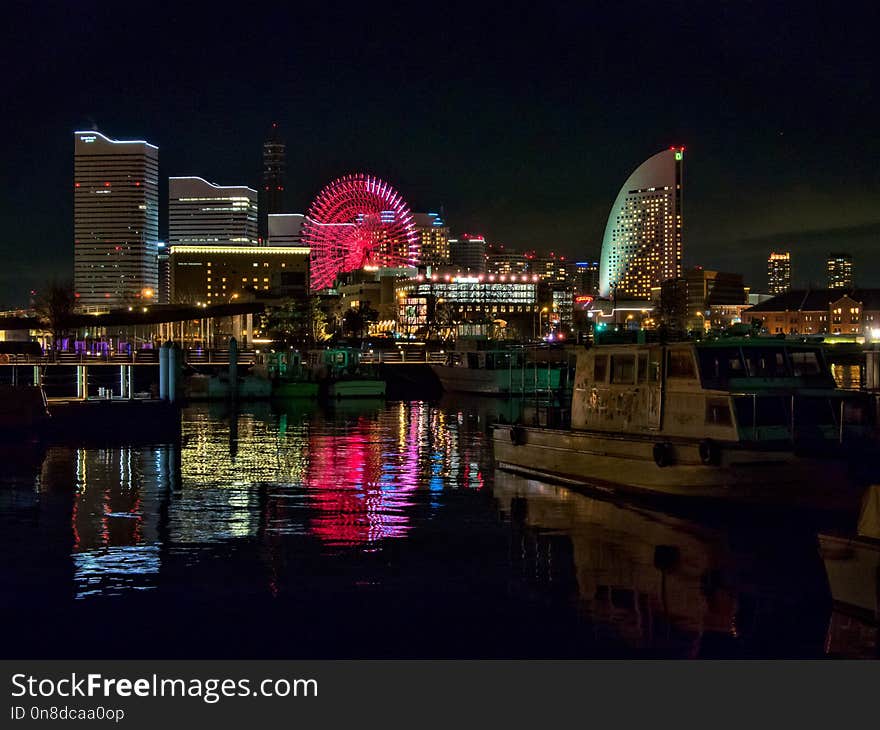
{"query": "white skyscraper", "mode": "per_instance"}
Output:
(115, 220)
(201, 213)
(642, 243)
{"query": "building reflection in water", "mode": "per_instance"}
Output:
(289, 507)
(115, 514)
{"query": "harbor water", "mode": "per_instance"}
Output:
(379, 529)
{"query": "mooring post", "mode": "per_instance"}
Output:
(163, 370)
(233, 367)
(174, 356)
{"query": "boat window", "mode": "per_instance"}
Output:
(810, 411)
(643, 367)
(680, 364)
(719, 364)
(804, 362)
(765, 362)
(717, 412)
(600, 368)
(762, 411)
(623, 369)
(473, 360)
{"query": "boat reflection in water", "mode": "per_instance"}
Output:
(668, 586)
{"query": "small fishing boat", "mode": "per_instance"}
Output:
(750, 420)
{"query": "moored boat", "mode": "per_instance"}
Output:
(342, 374)
(24, 412)
(503, 371)
(752, 420)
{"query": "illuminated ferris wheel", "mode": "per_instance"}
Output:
(358, 221)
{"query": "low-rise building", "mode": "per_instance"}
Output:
(820, 312)
(220, 274)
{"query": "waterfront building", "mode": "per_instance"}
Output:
(272, 181)
(450, 300)
(854, 313)
(286, 229)
(468, 253)
(779, 272)
(433, 239)
(202, 213)
(221, 274)
(840, 272)
(642, 246)
(115, 220)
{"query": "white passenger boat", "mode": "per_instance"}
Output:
(751, 420)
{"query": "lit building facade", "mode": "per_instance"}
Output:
(855, 313)
(433, 239)
(642, 246)
(500, 260)
(272, 181)
(779, 272)
(587, 277)
(286, 229)
(201, 213)
(115, 220)
(223, 274)
(513, 299)
(840, 271)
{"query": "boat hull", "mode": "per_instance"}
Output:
(294, 389)
(356, 389)
(623, 463)
(495, 382)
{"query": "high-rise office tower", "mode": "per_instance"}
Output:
(201, 213)
(468, 253)
(115, 220)
(839, 268)
(587, 277)
(643, 238)
(433, 239)
(779, 272)
(272, 180)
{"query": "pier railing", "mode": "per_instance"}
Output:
(402, 357)
(139, 357)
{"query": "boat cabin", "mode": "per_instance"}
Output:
(732, 390)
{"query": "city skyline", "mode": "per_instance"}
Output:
(758, 178)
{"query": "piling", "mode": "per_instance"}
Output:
(233, 367)
(163, 370)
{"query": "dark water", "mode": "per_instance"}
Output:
(378, 530)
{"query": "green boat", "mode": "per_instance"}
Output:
(290, 377)
(343, 375)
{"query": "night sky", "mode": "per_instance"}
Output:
(522, 121)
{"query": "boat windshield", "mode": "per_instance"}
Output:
(720, 365)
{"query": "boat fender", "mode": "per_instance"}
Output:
(710, 453)
(517, 435)
(663, 454)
